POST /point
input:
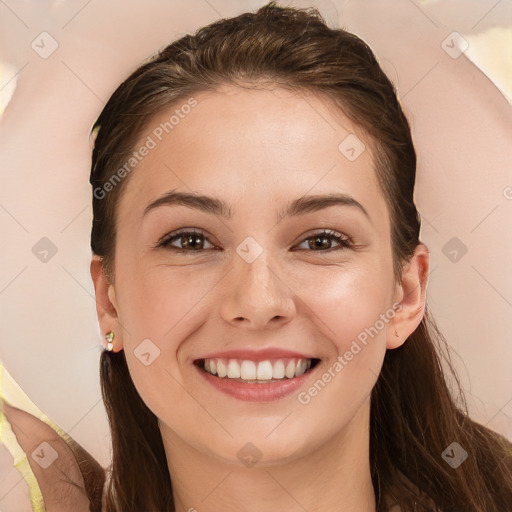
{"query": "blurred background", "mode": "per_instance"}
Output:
(60, 60)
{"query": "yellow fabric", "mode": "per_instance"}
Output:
(12, 393)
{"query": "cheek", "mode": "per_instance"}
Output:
(159, 301)
(354, 313)
(156, 308)
(159, 309)
(351, 303)
(353, 310)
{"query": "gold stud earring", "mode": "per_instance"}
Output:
(396, 334)
(110, 340)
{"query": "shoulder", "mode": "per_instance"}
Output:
(69, 478)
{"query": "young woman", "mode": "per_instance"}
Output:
(261, 286)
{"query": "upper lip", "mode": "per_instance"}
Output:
(257, 354)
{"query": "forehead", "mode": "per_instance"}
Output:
(238, 143)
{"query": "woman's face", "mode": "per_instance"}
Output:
(258, 282)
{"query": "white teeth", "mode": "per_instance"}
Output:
(259, 372)
(278, 370)
(290, 369)
(233, 369)
(221, 369)
(264, 370)
(248, 370)
(301, 367)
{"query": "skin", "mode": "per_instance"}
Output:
(61, 482)
(258, 150)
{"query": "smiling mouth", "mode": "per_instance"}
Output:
(257, 372)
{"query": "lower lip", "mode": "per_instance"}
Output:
(253, 392)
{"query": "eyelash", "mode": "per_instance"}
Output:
(164, 242)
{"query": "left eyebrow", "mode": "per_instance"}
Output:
(212, 205)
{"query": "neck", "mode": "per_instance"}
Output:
(334, 477)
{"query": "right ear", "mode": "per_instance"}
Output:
(105, 303)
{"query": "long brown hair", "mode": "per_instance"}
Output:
(414, 417)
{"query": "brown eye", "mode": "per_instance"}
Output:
(321, 242)
(187, 241)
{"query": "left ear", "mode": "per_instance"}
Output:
(411, 294)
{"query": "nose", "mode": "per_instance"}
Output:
(256, 296)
